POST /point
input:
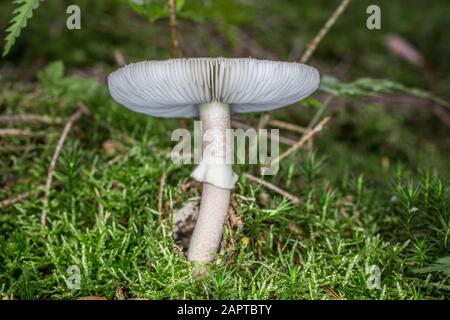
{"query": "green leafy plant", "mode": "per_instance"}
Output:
(73, 88)
(21, 15)
(196, 10)
(441, 265)
(369, 86)
(155, 9)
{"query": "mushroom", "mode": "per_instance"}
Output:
(212, 88)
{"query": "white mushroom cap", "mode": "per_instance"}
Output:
(173, 88)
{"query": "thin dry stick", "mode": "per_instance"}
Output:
(319, 112)
(314, 120)
(283, 140)
(29, 118)
(301, 142)
(9, 202)
(263, 120)
(295, 200)
(16, 133)
(286, 125)
(162, 182)
(82, 109)
(331, 292)
(176, 48)
(312, 46)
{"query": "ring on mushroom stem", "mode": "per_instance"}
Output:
(212, 88)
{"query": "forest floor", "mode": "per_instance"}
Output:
(373, 190)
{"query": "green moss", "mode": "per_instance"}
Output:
(374, 192)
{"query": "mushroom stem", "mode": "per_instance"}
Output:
(207, 236)
(218, 179)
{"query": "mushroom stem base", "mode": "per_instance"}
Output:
(207, 236)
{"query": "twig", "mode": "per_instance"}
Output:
(331, 292)
(263, 120)
(295, 200)
(176, 48)
(283, 140)
(16, 133)
(301, 142)
(27, 118)
(312, 46)
(286, 126)
(162, 182)
(9, 202)
(82, 109)
(319, 112)
(441, 114)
